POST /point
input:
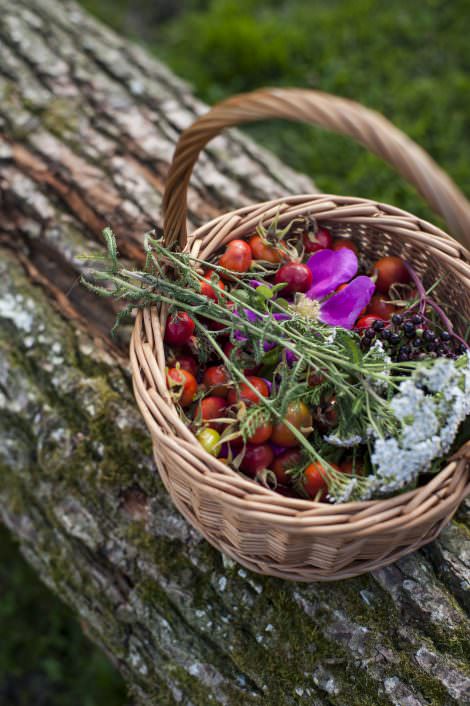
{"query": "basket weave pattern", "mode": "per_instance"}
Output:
(267, 532)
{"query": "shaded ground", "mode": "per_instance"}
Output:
(45, 659)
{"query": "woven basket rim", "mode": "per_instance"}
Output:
(380, 207)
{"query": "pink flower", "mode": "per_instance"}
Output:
(330, 268)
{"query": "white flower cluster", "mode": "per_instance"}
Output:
(345, 493)
(430, 406)
(331, 336)
(377, 353)
(346, 443)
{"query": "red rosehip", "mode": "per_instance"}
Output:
(216, 379)
(208, 289)
(187, 362)
(261, 434)
(211, 408)
(186, 384)
(344, 243)
(297, 414)
(366, 322)
(380, 308)
(317, 241)
(390, 270)
(246, 394)
(296, 276)
(256, 458)
(264, 251)
(179, 328)
(284, 462)
(315, 480)
(237, 257)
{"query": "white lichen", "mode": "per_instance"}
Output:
(16, 310)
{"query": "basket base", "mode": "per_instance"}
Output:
(304, 573)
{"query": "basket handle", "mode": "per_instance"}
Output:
(338, 114)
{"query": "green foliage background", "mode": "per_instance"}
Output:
(409, 60)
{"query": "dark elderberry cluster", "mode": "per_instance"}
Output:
(410, 338)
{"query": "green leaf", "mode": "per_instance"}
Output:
(264, 292)
(112, 247)
(282, 303)
(277, 288)
(244, 295)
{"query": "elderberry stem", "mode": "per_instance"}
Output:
(447, 322)
(425, 300)
(419, 287)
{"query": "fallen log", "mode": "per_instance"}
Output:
(88, 123)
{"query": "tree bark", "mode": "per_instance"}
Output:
(87, 128)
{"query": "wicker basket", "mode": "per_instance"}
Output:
(262, 530)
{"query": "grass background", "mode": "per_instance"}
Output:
(409, 60)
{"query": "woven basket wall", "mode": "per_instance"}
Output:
(266, 532)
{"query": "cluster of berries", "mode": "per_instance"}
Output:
(410, 338)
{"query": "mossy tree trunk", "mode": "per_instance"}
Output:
(87, 127)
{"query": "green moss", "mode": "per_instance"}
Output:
(11, 491)
(271, 660)
(87, 407)
(297, 645)
(462, 521)
(61, 116)
(431, 688)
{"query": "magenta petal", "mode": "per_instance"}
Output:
(343, 308)
(330, 268)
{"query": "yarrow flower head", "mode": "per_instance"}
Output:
(378, 353)
(346, 491)
(429, 408)
(345, 443)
